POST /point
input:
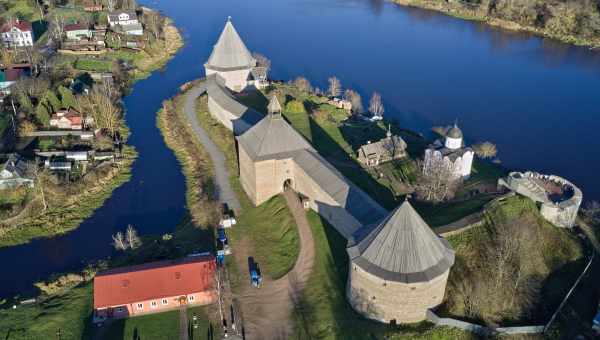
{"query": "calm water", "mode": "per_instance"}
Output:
(537, 100)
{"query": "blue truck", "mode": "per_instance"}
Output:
(255, 275)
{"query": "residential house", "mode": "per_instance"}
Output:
(16, 33)
(9, 76)
(133, 29)
(92, 6)
(78, 32)
(154, 287)
(15, 173)
(340, 103)
(67, 119)
(120, 18)
(58, 164)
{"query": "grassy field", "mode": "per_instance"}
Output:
(324, 313)
(274, 236)
(68, 312)
(162, 326)
(94, 65)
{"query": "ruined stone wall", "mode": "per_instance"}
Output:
(384, 301)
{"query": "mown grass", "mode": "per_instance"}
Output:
(274, 235)
(161, 326)
(94, 65)
(323, 312)
(68, 312)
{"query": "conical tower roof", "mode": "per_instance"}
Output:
(230, 52)
(272, 137)
(454, 132)
(403, 248)
(274, 106)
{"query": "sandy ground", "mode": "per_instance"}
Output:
(266, 311)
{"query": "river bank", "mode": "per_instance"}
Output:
(71, 208)
(563, 30)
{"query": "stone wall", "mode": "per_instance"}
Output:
(234, 80)
(385, 301)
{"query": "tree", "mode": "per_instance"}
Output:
(66, 97)
(111, 5)
(262, 61)
(376, 105)
(105, 113)
(119, 241)
(57, 29)
(335, 87)
(7, 57)
(34, 57)
(26, 127)
(302, 84)
(154, 23)
(485, 150)
(355, 99)
(52, 102)
(42, 115)
(436, 183)
(132, 238)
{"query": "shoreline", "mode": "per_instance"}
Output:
(455, 10)
(66, 218)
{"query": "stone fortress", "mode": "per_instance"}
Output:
(398, 266)
(558, 198)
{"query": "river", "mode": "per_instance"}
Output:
(538, 100)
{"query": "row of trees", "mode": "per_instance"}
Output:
(335, 89)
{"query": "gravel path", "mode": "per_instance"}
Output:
(224, 191)
(266, 311)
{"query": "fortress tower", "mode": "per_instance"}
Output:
(399, 269)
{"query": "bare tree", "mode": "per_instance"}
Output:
(105, 113)
(58, 27)
(132, 238)
(154, 23)
(111, 5)
(262, 61)
(376, 105)
(335, 87)
(7, 57)
(34, 57)
(302, 84)
(437, 182)
(485, 150)
(355, 99)
(119, 241)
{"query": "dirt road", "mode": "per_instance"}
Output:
(267, 310)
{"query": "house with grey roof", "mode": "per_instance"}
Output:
(387, 149)
(15, 173)
(398, 269)
(232, 61)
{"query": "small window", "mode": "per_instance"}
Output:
(191, 298)
(153, 304)
(413, 288)
(140, 306)
(165, 302)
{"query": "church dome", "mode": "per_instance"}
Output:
(454, 132)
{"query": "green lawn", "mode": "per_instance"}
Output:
(274, 235)
(203, 329)
(160, 326)
(94, 65)
(68, 312)
(324, 313)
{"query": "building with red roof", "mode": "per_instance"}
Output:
(67, 119)
(16, 33)
(155, 287)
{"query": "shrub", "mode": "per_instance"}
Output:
(295, 106)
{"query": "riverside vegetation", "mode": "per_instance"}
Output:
(56, 206)
(576, 22)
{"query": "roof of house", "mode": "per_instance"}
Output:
(272, 137)
(22, 25)
(16, 166)
(402, 248)
(76, 27)
(390, 145)
(11, 74)
(114, 16)
(217, 91)
(230, 52)
(154, 280)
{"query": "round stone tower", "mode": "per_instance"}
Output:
(398, 269)
(454, 138)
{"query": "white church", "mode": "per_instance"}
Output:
(452, 152)
(234, 63)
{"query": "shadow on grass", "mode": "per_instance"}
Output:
(331, 150)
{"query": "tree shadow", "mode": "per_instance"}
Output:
(39, 28)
